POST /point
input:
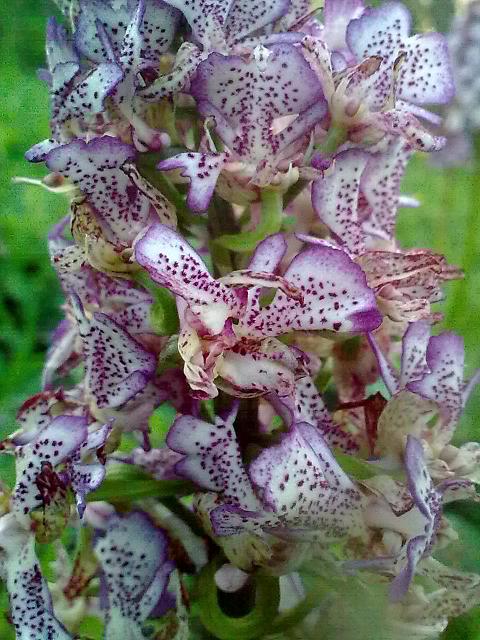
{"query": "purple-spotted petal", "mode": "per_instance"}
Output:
(379, 31)
(380, 187)
(202, 15)
(59, 440)
(105, 28)
(63, 62)
(34, 415)
(301, 482)
(212, 458)
(202, 169)
(404, 124)
(252, 370)
(425, 76)
(248, 16)
(414, 349)
(88, 96)
(94, 167)
(309, 407)
(247, 98)
(335, 199)
(134, 560)
(31, 607)
(268, 254)
(424, 73)
(187, 60)
(174, 264)
(444, 383)
(428, 502)
(88, 476)
(335, 297)
(117, 366)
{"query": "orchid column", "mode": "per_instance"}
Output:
(247, 412)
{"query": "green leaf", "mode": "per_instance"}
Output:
(91, 628)
(126, 483)
(359, 469)
(160, 422)
(163, 312)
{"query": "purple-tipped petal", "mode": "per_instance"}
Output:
(335, 199)
(335, 297)
(40, 151)
(212, 458)
(388, 373)
(134, 559)
(428, 502)
(174, 264)
(337, 14)
(203, 170)
(379, 31)
(94, 167)
(268, 254)
(246, 98)
(117, 366)
(444, 383)
(414, 550)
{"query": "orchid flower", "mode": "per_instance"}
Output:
(222, 319)
(430, 382)
(43, 443)
(384, 85)
(419, 524)
(263, 109)
(368, 186)
(277, 494)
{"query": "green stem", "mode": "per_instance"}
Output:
(336, 136)
(270, 222)
(255, 624)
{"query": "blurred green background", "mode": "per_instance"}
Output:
(447, 221)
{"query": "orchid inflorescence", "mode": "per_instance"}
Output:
(245, 427)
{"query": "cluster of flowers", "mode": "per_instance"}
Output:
(228, 259)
